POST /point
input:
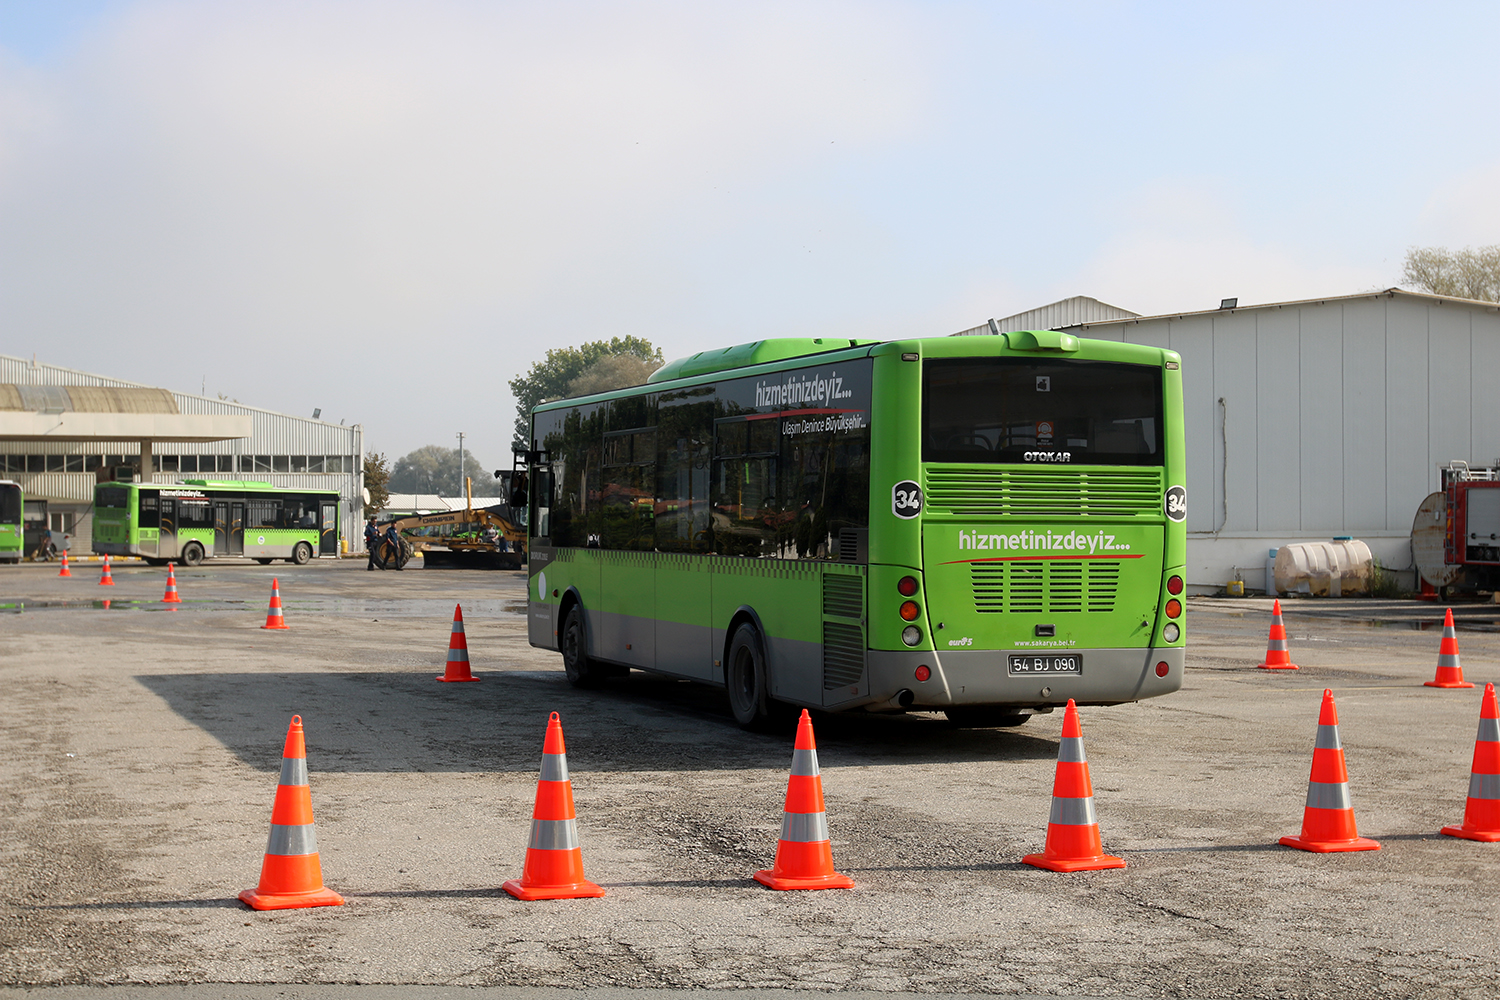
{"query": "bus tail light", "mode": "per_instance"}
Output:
(907, 586)
(1174, 585)
(923, 672)
(911, 635)
(910, 611)
(1162, 668)
(1174, 608)
(1171, 633)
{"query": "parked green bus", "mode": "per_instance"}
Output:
(198, 518)
(986, 526)
(12, 503)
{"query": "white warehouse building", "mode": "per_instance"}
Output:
(1318, 419)
(64, 431)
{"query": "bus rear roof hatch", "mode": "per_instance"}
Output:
(760, 352)
(1041, 340)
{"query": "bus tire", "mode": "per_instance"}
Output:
(301, 554)
(192, 554)
(973, 717)
(745, 679)
(582, 672)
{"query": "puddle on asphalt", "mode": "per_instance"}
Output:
(343, 607)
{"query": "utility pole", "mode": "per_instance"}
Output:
(460, 462)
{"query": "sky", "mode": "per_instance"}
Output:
(387, 210)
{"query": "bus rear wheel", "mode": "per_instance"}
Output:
(984, 718)
(745, 679)
(192, 554)
(301, 554)
(582, 672)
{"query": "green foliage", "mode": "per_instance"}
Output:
(377, 476)
(435, 469)
(1383, 583)
(554, 377)
(1470, 273)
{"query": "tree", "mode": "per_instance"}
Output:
(435, 469)
(1470, 273)
(584, 365)
(377, 475)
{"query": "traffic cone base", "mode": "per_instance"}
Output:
(1487, 836)
(1099, 863)
(292, 900)
(1278, 656)
(1330, 846)
(1450, 672)
(804, 854)
(457, 670)
(554, 861)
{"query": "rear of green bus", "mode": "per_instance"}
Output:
(1032, 544)
(12, 503)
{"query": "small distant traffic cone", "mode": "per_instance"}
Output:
(170, 597)
(1450, 673)
(458, 650)
(105, 580)
(291, 875)
(64, 571)
(273, 613)
(1482, 812)
(554, 861)
(1277, 655)
(1328, 820)
(804, 854)
(1073, 841)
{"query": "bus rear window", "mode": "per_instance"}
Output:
(10, 504)
(1028, 411)
(114, 497)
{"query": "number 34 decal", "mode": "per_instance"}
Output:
(906, 499)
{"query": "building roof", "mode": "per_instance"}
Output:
(1388, 293)
(86, 399)
(1063, 313)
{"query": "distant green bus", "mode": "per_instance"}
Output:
(12, 503)
(197, 519)
(986, 526)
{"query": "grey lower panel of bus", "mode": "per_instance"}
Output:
(980, 677)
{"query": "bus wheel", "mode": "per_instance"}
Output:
(745, 678)
(581, 671)
(192, 554)
(984, 718)
(301, 554)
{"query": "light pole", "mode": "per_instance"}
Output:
(461, 463)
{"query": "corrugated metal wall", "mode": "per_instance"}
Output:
(273, 434)
(1327, 418)
(1068, 312)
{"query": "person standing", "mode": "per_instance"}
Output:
(394, 538)
(372, 539)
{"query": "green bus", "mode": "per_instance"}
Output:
(12, 503)
(198, 518)
(986, 526)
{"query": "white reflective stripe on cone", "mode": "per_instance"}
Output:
(1328, 739)
(553, 835)
(1070, 750)
(285, 840)
(805, 763)
(293, 771)
(804, 828)
(554, 767)
(1328, 795)
(1073, 812)
(1484, 786)
(1489, 731)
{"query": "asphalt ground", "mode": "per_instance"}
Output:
(142, 745)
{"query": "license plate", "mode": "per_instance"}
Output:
(1051, 663)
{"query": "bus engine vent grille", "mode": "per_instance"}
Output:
(843, 655)
(1045, 492)
(1038, 586)
(844, 596)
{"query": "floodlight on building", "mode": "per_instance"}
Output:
(317, 412)
(1228, 303)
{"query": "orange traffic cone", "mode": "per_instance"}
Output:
(1482, 812)
(64, 571)
(273, 613)
(1277, 655)
(554, 861)
(458, 651)
(1328, 820)
(804, 854)
(291, 875)
(170, 597)
(105, 580)
(1073, 842)
(1450, 673)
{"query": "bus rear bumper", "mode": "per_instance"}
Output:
(980, 677)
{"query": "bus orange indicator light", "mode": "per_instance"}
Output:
(1174, 585)
(907, 586)
(909, 610)
(923, 672)
(1174, 608)
(1162, 668)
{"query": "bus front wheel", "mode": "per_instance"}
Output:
(582, 672)
(745, 678)
(192, 554)
(301, 554)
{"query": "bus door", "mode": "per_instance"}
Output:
(166, 544)
(328, 533)
(229, 528)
